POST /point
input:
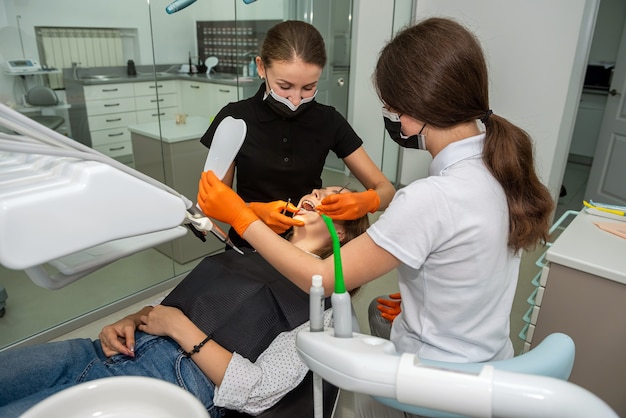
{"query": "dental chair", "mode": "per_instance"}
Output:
(530, 385)
(46, 98)
(553, 357)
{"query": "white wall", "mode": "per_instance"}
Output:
(372, 28)
(536, 53)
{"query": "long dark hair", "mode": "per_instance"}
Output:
(352, 229)
(293, 39)
(435, 72)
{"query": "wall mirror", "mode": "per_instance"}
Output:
(78, 47)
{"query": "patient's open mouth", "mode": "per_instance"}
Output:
(307, 206)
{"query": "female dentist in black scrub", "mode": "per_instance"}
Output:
(289, 134)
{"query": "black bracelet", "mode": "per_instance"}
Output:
(196, 348)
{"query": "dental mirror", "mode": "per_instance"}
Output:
(227, 141)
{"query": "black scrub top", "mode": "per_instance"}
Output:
(281, 157)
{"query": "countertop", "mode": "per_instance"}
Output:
(226, 79)
(585, 247)
(195, 127)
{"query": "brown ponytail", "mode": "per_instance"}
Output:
(508, 154)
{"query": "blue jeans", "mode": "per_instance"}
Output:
(31, 374)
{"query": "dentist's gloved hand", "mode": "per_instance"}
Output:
(389, 309)
(271, 214)
(220, 202)
(349, 206)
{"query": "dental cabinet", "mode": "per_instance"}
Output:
(172, 153)
(206, 99)
(112, 107)
(582, 293)
(103, 108)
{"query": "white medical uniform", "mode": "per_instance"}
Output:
(458, 276)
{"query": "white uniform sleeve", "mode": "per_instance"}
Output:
(254, 387)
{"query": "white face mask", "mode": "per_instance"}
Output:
(284, 107)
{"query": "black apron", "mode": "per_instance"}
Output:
(240, 301)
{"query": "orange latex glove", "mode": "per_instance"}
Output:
(349, 206)
(389, 309)
(272, 214)
(220, 202)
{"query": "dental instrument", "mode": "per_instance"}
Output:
(340, 190)
(50, 183)
(286, 206)
(604, 209)
(198, 221)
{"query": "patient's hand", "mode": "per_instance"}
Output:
(162, 320)
(119, 337)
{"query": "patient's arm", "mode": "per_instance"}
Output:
(119, 337)
(168, 321)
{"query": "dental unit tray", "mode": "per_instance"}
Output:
(67, 205)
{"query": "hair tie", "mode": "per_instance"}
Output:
(485, 118)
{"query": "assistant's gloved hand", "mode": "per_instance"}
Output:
(220, 202)
(389, 309)
(349, 206)
(271, 214)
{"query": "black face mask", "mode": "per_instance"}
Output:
(284, 107)
(394, 128)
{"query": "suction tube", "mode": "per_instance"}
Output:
(340, 299)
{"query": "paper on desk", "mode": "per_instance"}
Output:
(618, 229)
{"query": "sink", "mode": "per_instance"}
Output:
(99, 77)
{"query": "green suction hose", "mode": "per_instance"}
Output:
(340, 286)
(340, 299)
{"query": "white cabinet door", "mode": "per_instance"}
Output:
(206, 99)
(105, 91)
(194, 98)
(219, 96)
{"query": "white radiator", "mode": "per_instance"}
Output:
(91, 47)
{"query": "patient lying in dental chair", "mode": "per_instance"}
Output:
(226, 333)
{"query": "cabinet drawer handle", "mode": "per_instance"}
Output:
(224, 91)
(114, 120)
(156, 100)
(118, 134)
(194, 87)
(158, 86)
(117, 148)
(108, 90)
(158, 114)
(111, 105)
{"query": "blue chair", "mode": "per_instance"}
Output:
(553, 357)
